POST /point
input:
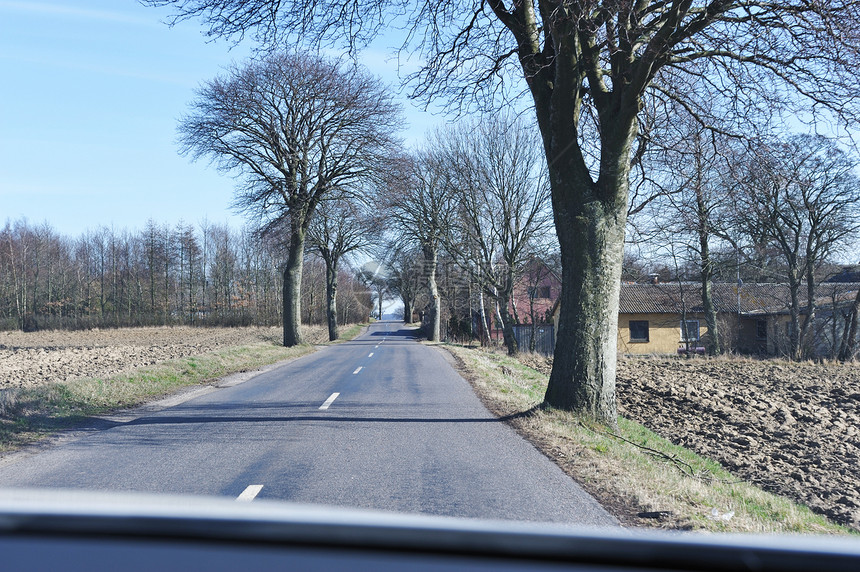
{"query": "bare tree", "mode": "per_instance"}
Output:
(848, 342)
(503, 202)
(588, 67)
(801, 196)
(406, 276)
(689, 177)
(421, 204)
(339, 226)
(295, 128)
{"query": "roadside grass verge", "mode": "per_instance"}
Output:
(350, 331)
(640, 477)
(29, 414)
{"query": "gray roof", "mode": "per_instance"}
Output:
(672, 298)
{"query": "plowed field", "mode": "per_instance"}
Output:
(32, 358)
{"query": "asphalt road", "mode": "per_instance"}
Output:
(380, 422)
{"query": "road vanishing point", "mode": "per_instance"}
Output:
(380, 422)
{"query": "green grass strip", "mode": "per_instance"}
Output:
(29, 414)
(634, 470)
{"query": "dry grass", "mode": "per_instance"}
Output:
(29, 414)
(640, 477)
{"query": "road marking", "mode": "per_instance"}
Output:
(370, 354)
(358, 369)
(330, 400)
(250, 493)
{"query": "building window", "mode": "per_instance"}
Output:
(689, 330)
(761, 329)
(638, 330)
(539, 292)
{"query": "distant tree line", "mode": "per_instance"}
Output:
(206, 275)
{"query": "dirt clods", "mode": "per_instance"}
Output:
(28, 359)
(791, 428)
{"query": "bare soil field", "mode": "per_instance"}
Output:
(33, 358)
(791, 428)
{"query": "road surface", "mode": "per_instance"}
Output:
(380, 422)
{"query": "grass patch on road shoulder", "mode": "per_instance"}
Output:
(27, 415)
(640, 477)
(351, 332)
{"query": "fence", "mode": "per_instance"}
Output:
(544, 337)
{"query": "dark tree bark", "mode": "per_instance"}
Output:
(293, 289)
(849, 335)
(331, 300)
(431, 263)
(707, 268)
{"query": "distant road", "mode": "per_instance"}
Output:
(380, 422)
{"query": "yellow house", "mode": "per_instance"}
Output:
(668, 318)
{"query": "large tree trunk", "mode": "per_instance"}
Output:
(714, 346)
(507, 325)
(849, 334)
(589, 219)
(407, 309)
(431, 260)
(331, 298)
(584, 362)
(806, 347)
(293, 289)
(485, 319)
(794, 313)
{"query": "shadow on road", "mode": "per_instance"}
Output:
(323, 417)
(402, 333)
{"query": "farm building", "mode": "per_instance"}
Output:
(668, 318)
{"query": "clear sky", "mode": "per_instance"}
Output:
(90, 96)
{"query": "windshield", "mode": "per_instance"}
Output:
(270, 275)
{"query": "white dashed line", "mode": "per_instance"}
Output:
(370, 354)
(250, 493)
(358, 369)
(329, 401)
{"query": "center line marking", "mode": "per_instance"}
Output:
(358, 369)
(250, 493)
(370, 355)
(329, 401)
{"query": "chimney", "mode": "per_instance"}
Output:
(654, 278)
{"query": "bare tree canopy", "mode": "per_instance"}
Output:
(496, 165)
(616, 46)
(340, 226)
(800, 196)
(589, 67)
(421, 203)
(295, 128)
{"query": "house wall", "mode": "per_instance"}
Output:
(664, 333)
(547, 290)
(747, 339)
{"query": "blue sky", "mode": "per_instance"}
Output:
(89, 102)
